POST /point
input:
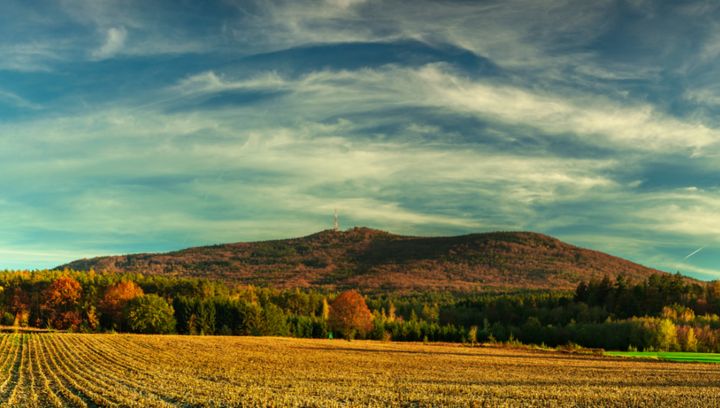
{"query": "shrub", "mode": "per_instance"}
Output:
(8, 319)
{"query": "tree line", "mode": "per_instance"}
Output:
(664, 312)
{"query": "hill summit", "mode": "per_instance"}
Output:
(372, 260)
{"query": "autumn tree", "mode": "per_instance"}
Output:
(349, 315)
(91, 318)
(325, 311)
(113, 302)
(61, 302)
(472, 336)
(686, 338)
(391, 314)
(19, 306)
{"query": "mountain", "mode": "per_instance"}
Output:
(376, 260)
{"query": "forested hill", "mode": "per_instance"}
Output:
(375, 260)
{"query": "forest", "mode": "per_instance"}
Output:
(664, 312)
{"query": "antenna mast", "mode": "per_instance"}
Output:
(336, 221)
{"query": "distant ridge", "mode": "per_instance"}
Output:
(372, 260)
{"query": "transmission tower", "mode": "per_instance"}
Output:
(336, 221)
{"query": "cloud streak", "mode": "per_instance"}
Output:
(693, 253)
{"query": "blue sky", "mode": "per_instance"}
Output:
(142, 126)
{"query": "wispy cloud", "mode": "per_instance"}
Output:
(211, 82)
(16, 100)
(113, 43)
(275, 173)
(601, 121)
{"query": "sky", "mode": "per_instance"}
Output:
(142, 126)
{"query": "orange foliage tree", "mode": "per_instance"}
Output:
(349, 315)
(60, 303)
(116, 297)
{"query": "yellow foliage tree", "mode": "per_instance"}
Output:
(115, 299)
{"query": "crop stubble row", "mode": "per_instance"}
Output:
(77, 370)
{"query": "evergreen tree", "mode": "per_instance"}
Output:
(150, 314)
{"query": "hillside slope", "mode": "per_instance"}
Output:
(372, 260)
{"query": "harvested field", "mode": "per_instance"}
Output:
(86, 370)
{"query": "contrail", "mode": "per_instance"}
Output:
(693, 253)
